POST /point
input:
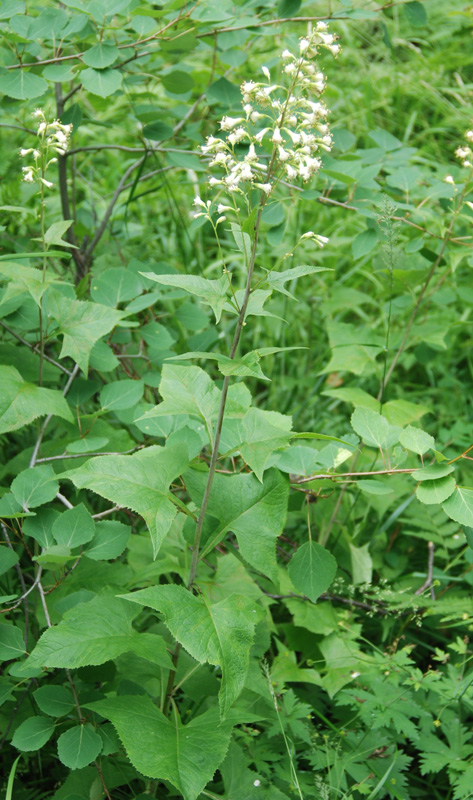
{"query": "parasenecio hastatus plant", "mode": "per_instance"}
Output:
(278, 139)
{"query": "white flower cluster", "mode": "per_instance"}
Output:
(285, 117)
(53, 137)
(464, 152)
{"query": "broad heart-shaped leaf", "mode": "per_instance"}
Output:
(431, 492)
(187, 390)
(103, 82)
(78, 746)
(35, 486)
(22, 85)
(26, 279)
(221, 634)
(140, 482)
(94, 632)
(255, 512)
(312, 569)
(276, 280)
(185, 755)
(82, 324)
(374, 429)
(459, 506)
(33, 733)
(416, 440)
(100, 55)
(21, 402)
(265, 432)
(74, 527)
(212, 292)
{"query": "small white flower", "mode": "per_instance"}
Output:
(356, 674)
(265, 187)
(24, 152)
(28, 175)
(287, 54)
(36, 154)
(261, 134)
(248, 87)
(449, 179)
(221, 208)
(334, 49)
(42, 128)
(304, 45)
(321, 240)
(469, 136)
(199, 202)
(38, 113)
(48, 184)
(283, 154)
(276, 137)
(228, 123)
(220, 219)
(266, 73)
(469, 204)
(257, 782)
(321, 26)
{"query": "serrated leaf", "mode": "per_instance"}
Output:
(276, 280)
(35, 486)
(11, 642)
(114, 286)
(374, 429)
(94, 632)
(212, 292)
(78, 746)
(220, 633)
(56, 701)
(264, 432)
(459, 506)
(74, 527)
(102, 82)
(431, 492)
(255, 512)
(312, 569)
(140, 481)
(82, 324)
(164, 749)
(33, 733)
(8, 558)
(26, 279)
(187, 390)
(416, 440)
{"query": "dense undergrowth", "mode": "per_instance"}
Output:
(235, 525)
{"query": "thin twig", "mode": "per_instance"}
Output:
(98, 234)
(107, 512)
(64, 500)
(28, 591)
(24, 596)
(34, 348)
(331, 475)
(428, 583)
(49, 418)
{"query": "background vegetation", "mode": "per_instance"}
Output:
(344, 671)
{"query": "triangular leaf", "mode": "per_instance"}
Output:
(312, 570)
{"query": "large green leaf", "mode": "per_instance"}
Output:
(374, 429)
(459, 506)
(264, 432)
(78, 746)
(21, 402)
(255, 512)
(74, 527)
(416, 440)
(187, 390)
(164, 749)
(35, 486)
(312, 569)
(101, 55)
(12, 644)
(220, 633)
(82, 324)
(276, 280)
(26, 279)
(212, 292)
(95, 632)
(431, 492)
(22, 85)
(33, 733)
(140, 482)
(103, 82)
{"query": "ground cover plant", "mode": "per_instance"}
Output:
(235, 357)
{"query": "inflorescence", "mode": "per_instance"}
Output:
(53, 139)
(291, 118)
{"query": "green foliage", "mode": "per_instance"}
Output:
(194, 602)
